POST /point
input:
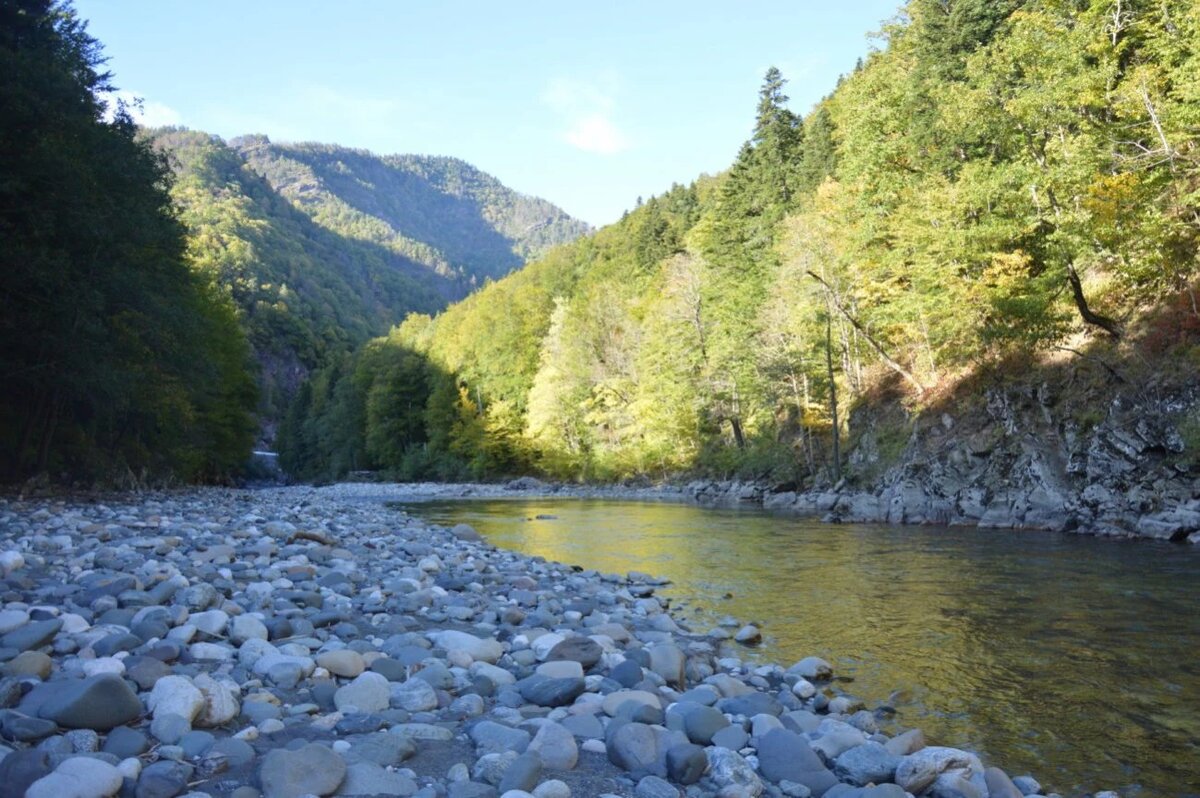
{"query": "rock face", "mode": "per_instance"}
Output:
(1028, 457)
(306, 643)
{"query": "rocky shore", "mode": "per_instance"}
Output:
(292, 642)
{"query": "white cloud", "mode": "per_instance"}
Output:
(597, 133)
(147, 113)
(586, 110)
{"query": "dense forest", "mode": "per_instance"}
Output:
(165, 292)
(998, 183)
(116, 358)
(321, 247)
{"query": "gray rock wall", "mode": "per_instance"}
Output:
(1023, 458)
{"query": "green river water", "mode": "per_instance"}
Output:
(1071, 658)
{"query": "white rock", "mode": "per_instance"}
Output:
(804, 689)
(246, 627)
(130, 768)
(176, 695)
(561, 669)
(544, 644)
(369, 692)
(78, 777)
(220, 701)
(212, 622)
(210, 651)
(10, 561)
(73, 624)
(479, 649)
(12, 619)
(92, 667)
(415, 695)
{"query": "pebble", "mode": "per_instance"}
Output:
(312, 643)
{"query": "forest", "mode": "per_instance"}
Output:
(997, 183)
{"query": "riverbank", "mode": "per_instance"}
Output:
(290, 641)
(897, 502)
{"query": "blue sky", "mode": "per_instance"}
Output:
(589, 105)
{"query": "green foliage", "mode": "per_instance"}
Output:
(118, 362)
(999, 178)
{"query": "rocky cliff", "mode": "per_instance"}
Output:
(1109, 457)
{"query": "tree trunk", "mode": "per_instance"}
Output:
(1110, 326)
(870, 339)
(833, 408)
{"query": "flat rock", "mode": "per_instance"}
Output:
(311, 770)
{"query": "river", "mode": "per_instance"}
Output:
(1074, 659)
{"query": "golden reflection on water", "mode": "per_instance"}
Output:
(1071, 658)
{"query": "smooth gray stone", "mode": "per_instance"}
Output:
(867, 763)
(99, 702)
(124, 742)
(733, 737)
(584, 650)
(785, 755)
(312, 769)
(702, 723)
(163, 779)
(522, 774)
(686, 763)
(655, 787)
(492, 737)
(32, 635)
(546, 692)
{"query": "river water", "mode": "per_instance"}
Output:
(1071, 658)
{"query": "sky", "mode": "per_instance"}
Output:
(589, 105)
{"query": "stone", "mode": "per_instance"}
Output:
(465, 532)
(783, 754)
(635, 748)
(702, 723)
(999, 785)
(655, 787)
(31, 663)
(555, 746)
(247, 627)
(369, 692)
(176, 695)
(748, 635)
(479, 649)
(20, 769)
(32, 635)
(97, 702)
(221, 704)
(627, 674)
(169, 728)
(584, 650)
(78, 777)
(124, 742)
(669, 662)
(865, 764)
(163, 779)
(369, 778)
(552, 788)
(491, 737)
(813, 668)
(343, 662)
(522, 774)
(917, 771)
(311, 770)
(388, 750)
(546, 692)
(614, 701)
(560, 669)
(686, 763)
(727, 769)
(906, 743)
(733, 737)
(1028, 785)
(415, 695)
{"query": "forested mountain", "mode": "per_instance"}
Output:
(116, 359)
(321, 247)
(1000, 184)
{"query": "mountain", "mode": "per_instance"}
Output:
(321, 247)
(1000, 202)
